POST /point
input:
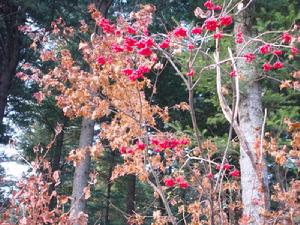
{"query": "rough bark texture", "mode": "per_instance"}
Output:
(81, 175)
(10, 46)
(253, 181)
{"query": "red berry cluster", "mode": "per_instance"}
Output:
(234, 173)
(171, 182)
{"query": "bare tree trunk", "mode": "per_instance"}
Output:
(10, 45)
(130, 200)
(109, 185)
(254, 181)
(81, 175)
(57, 151)
(55, 158)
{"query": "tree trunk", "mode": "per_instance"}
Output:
(58, 148)
(80, 181)
(10, 46)
(55, 158)
(81, 175)
(254, 181)
(109, 185)
(130, 200)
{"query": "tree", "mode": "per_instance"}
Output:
(12, 16)
(254, 176)
(80, 181)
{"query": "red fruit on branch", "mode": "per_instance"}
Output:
(169, 182)
(211, 24)
(278, 65)
(209, 5)
(227, 166)
(286, 38)
(191, 73)
(235, 173)
(145, 51)
(277, 52)
(267, 67)
(180, 32)
(249, 57)
(218, 36)
(294, 50)
(165, 44)
(265, 49)
(131, 30)
(196, 30)
(225, 20)
(101, 60)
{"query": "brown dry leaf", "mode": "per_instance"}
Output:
(82, 218)
(224, 90)
(296, 74)
(296, 140)
(56, 176)
(136, 219)
(286, 84)
(63, 199)
(183, 106)
(87, 192)
(39, 96)
(82, 45)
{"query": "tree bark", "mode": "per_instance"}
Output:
(10, 46)
(81, 175)
(109, 185)
(254, 181)
(130, 199)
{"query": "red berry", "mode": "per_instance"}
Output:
(180, 32)
(183, 185)
(197, 30)
(145, 51)
(265, 49)
(227, 166)
(267, 67)
(101, 60)
(249, 57)
(140, 145)
(278, 65)
(127, 72)
(218, 36)
(209, 5)
(211, 24)
(165, 44)
(191, 73)
(123, 150)
(225, 20)
(294, 50)
(131, 30)
(277, 52)
(235, 173)
(286, 38)
(210, 175)
(233, 73)
(169, 182)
